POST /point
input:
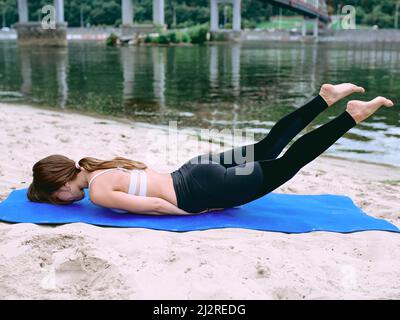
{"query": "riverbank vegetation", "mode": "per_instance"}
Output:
(196, 34)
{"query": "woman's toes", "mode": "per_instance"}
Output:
(379, 100)
(327, 86)
(359, 89)
(382, 101)
(361, 110)
(333, 93)
(388, 103)
(353, 88)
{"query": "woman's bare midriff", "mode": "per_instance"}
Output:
(159, 185)
(164, 187)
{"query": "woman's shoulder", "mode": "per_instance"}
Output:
(100, 183)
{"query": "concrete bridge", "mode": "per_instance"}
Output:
(315, 10)
(33, 32)
(308, 8)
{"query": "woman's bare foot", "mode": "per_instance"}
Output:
(361, 110)
(333, 93)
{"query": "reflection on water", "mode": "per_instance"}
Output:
(248, 86)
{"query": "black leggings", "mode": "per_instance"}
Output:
(242, 174)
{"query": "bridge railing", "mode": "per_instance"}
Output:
(316, 10)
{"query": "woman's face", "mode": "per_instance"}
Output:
(71, 191)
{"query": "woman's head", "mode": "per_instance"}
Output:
(58, 180)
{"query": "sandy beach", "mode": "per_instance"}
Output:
(80, 261)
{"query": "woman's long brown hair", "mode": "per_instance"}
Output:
(52, 172)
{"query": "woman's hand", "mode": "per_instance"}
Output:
(167, 208)
(212, 209)
(138, 204)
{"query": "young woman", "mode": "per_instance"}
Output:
(198, 186)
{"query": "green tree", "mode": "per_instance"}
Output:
(8, 12)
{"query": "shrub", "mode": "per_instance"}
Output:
(186, 37)
(163, 38)
(159, 28)
(228, 25)
(112, 39)
(172, 37)
(249, 24)
(178, 36)
(198, 34)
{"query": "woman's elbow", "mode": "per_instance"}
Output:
(158, 204)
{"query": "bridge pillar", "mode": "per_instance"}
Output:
(23, 11)
(130, 31)
(59, 6)
(214, 15)
(214, 20)
(304, 27)
(127, 12)
(42, 32)
(158, 12)
(236, 15)
(316, 27)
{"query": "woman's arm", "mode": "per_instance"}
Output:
(167, 207)
(136, 204)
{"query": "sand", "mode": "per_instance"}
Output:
(80, 261)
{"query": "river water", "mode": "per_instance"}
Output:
(246, 86)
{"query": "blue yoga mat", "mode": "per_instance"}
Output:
(289, 213)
